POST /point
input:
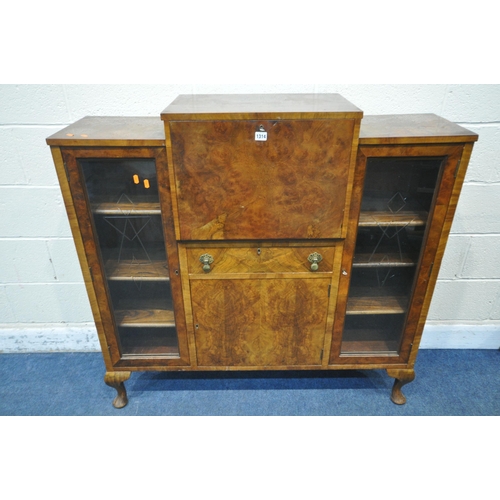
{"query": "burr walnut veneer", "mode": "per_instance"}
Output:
(256, 232)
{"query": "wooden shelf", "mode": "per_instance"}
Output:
(376, 300)
(144, 318)
(384, 260)
(375, 219)
(143, 270)
(126, 209)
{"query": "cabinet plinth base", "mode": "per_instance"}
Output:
(402, 377)
(116, 380)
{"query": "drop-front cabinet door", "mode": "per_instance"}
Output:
(229, 185)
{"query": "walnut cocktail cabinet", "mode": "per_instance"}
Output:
(256, 232)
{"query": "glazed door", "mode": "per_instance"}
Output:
(405, 197)
(117, 200)
(248, 180)
(266, 322)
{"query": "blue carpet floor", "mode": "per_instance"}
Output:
(448, 382)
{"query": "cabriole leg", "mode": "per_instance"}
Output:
(116, 380)
(402, 377)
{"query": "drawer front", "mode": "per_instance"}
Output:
(260, 259)
(230, 186)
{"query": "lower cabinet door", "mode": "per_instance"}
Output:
(260, 322)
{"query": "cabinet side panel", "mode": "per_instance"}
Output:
(80, 249)
(438, 257)
(172, 182)
(432, 244)
(172, 253)
(351, 180)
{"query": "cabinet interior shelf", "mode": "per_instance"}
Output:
(126, 209)
(375, 219)
(152, 342)
(145, 318)
(370, 347)
(384, 260)
(131, 270)
(372, 300)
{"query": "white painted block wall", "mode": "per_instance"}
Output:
(43, 302)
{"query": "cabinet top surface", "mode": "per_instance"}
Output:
(149, 131)
(248, 106)
(111, 131)
(418, 128)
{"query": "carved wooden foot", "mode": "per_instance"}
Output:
(115, 380)
(402, 377)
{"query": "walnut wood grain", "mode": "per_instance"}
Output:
(440, 241)
(372, 300)
(90, 243)
(260, 259)
(412, 129)
(278, 319)
(174, 264)
(80, 249)
(229, 186)
(333, 293)
(186, 295)
(235, 325)
(146, 363)
(432, 238)
(93, 256)
(141, 270)
(350, 179)
(347, 257)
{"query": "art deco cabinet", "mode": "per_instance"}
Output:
(257, 232)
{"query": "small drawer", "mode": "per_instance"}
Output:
(260, 259)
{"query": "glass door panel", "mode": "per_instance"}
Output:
(123, 196)
(397, 200)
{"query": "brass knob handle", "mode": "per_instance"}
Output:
(314, 258)
(206, 259)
